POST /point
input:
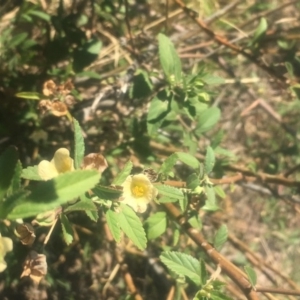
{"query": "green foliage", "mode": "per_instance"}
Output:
(221, 237)
(260, 31)
(169, 60)
(31, 173)
(67, 229)
(113, 224)
(156, 225)
(164, 113)
(50, 194)
(83, 204)
(106, 193)
(186, 158)
(251, 275)
(120, 178)
(209, 160)
(29, 95)
(158, 110)
(192, 181)
(207, 119)
(132, 226)
(169, 192)
(210, 203)
(183, 264)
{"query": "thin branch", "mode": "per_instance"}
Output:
(223, 41)
(277, 291)
(227, 267)
(264, 177)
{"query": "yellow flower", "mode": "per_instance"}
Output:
(6, 245)
(61, 163)
(138, 191)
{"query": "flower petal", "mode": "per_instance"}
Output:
(62, 161)
(138, 191)
(6, 245)
(47, 170)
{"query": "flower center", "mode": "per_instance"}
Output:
(138, 190)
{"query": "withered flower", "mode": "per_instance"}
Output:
(59, 108)
(35, 266)
(25, 232)
(68, 86)
(49, 88)
(94, 161)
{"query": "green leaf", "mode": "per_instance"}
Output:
(260, 30)
(156, 225)
(41, 15)
(165, 199)
(203, 272)
(132, 226)
(29, 95)
(168, 164)
(10, 202)
(94, 47)
(221, 237)
(176, 235)
(192, 181)
(113, 224)
(120, 178)
(183, 203)
(251, 275)
(8, 163)
(83, 204)
(209, 160)
(157, 109)
(207, 119)
(169, 191)
(79, 144)
(169, 59)
(212, 79)
(188, 159)
(210, 203)
(67, 229)
(18, 39)
(156, 114)
(183, 265)
(219, 191)
(93, 215)
(107, 193)
(195, 221)
(31, 173)
(15, 184)
(217, 139)
(53, 193)
(216, 295)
